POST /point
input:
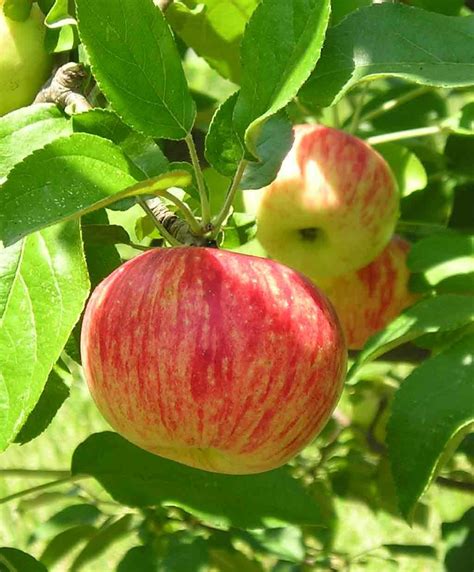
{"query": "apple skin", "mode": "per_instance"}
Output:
(332, 207)
(222, 361)
(368, 299)
(24, 63)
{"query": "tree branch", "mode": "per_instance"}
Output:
(64, 89)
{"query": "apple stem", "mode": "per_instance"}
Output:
(205, 207)
(224, 212)
(408, 134)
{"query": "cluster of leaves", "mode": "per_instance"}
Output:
(288, 61)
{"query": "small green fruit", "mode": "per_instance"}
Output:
(24, 62)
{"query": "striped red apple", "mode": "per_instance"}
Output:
(369, 298)
(222, 361)
(332, 207)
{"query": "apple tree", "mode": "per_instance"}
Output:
(207, 210)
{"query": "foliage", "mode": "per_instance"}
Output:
(398, 448)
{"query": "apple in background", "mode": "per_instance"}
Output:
(368, 299)
(332, 207)
(222, 361)
(24, 63)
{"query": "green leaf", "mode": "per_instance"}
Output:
(439, 314)
(180, 552)
(62, 39)
(458, 152)
(101, 255)
(142, 150)
(281, 45)
(432, 204)
(441, 256)
(140, 70)
(65, 542)
(229, 559)
(54, 394)
(137, 478)
(392, 40)
(59, 15)
(102, 540)
(97, 234)
(433, 405)
(458, 538)
(285, 543)
(465, 121)
(462, 213)
(448, 7)
(213, 29)
(27, 129)
(73, 515)
(142, 558)
(44, 286)
(273, 143)
(224, 151)
(341, 8)
(13, 560)
(68, 178)
(406, 167)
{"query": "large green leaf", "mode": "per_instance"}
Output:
(449, 7)
(65, 542)
(44, 286)
(137, 65)
(273, 144)
(281, 45)
(407, 169)
(54, 394)
(443, 256)
(458, 152)
(213, 29)
(178, 551)
(433, 404)
(137, 478)
(68, 178)
(224, 151)
(444, 313)
(13, 560)
(142, 150)
(392, 39)
(110, 533)
(27, 129)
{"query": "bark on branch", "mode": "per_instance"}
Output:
(64, 89)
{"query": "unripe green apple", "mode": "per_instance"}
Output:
(368, 299)
(332, 207)
(221, 361)
(24, 63)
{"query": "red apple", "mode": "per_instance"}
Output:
(368, 299)
(332, 207)
(222, 361)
